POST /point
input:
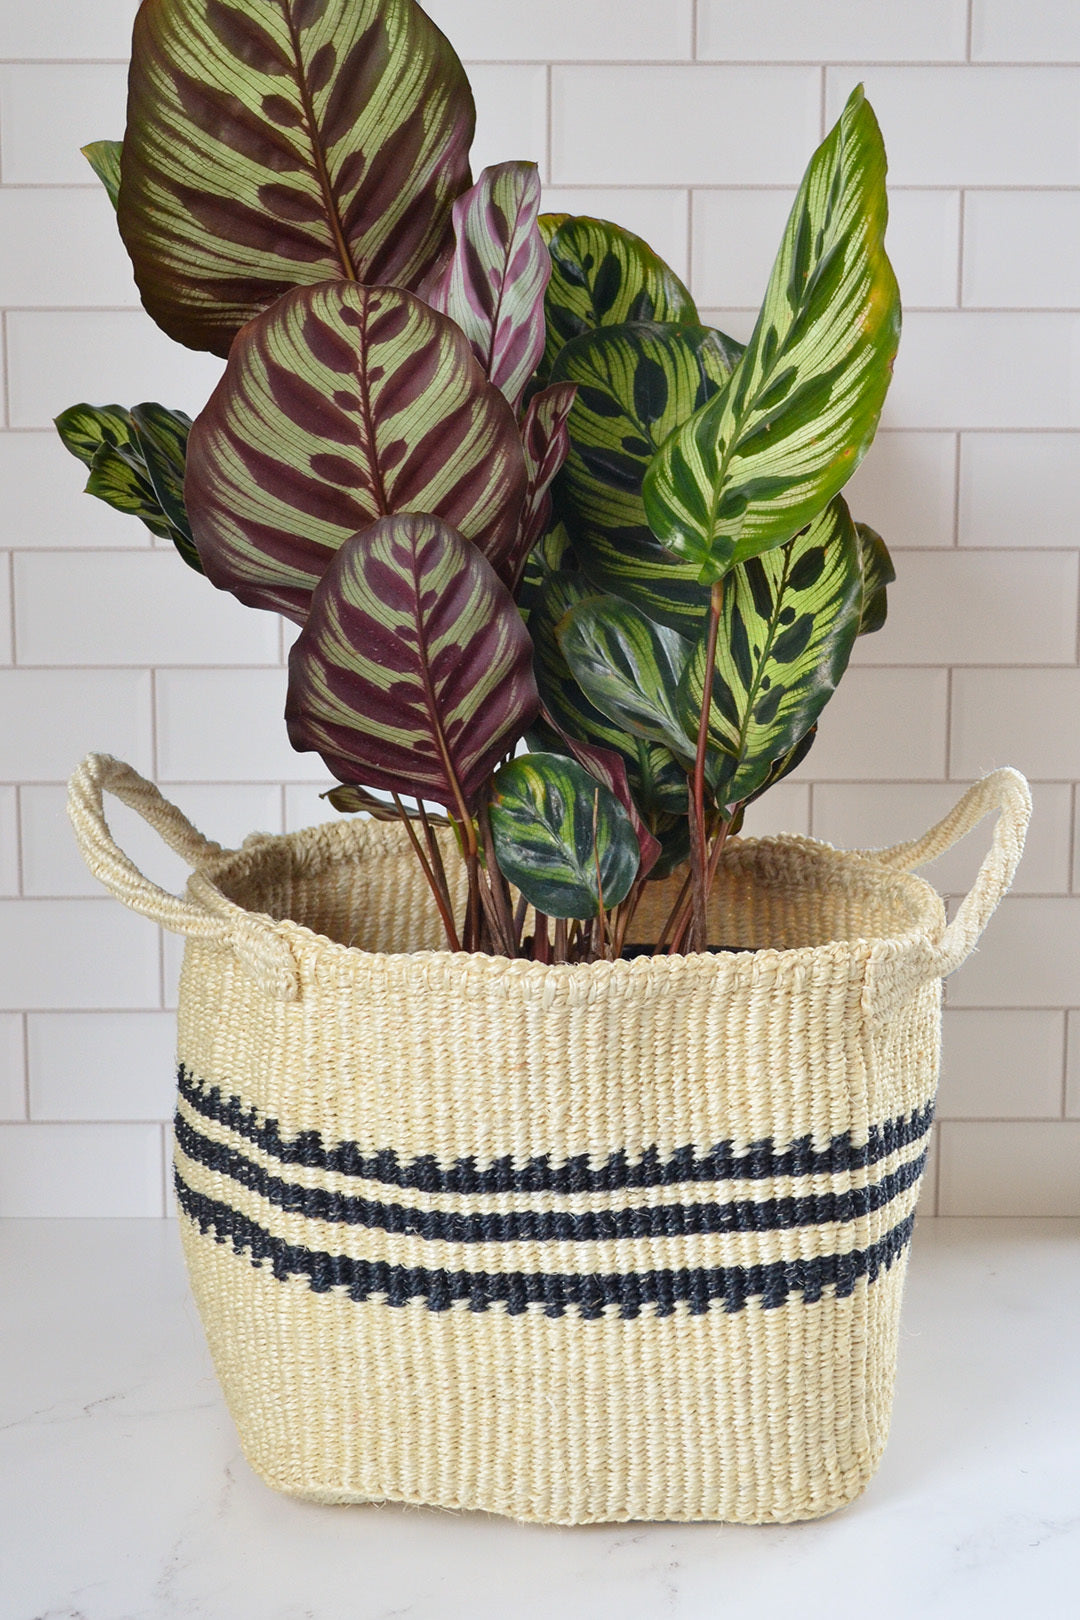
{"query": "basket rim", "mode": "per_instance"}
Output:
(311, 850)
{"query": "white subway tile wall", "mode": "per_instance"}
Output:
(689, 122)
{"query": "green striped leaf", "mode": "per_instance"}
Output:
(494, 284)
(413, 672)
(630, 669)
(286, 143)
(878, 574)
(339, 405)
(83, 429)
(561, 838)
(602, 275)
(655, 778)
(162, 437)
(637, 383)
(768, 453)
(790, 618)
(119, 478)
(136, 460)
(104, 158)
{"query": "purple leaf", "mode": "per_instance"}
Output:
(414, 671)
(494, 285)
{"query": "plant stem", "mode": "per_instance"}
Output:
(435, 854)
(541, 942)
(674, 914)
(699, 933)
(560, 939)
(444, 910)
(494, 894)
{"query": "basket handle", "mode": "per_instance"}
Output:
(1005, 791)
(205, 913)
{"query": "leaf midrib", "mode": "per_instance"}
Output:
(322, 173)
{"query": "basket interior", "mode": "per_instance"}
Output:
(359, 884)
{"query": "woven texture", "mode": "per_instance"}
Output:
(624, 1241)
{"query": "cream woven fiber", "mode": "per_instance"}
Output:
(624, 1241)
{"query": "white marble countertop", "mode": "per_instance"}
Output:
(124, 1496)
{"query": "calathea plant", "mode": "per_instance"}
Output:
(492, 464)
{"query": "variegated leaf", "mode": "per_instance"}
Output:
(784, 766)
(654, 776)
(339, 405)
(136, 461)
(602, 275)
(790, 618)
(413, 672)
(278, 143)
(162, 437)
(767, 454)
(104, 158)
(545, 441)
(83, 429)
(878, 574)
(637, 383)
(494, 285)
(630, 669)
(563, 840)
(118, 477)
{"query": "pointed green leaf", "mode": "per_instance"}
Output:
(560, 837)
(636, 384)
(162, 437)
(136, 461)
(104, 158)
(655, 779)
(83, 429)
(784, 766)
(790, 619)
(283, 144)
(119, 478)
(878, 574)
(602, 275)
(494, 284)
(630, 668)
(339, 405)
(413, 672)
(767, 454)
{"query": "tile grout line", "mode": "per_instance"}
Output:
(26, 1066)
(962, 222)
(1065, 1067)
(969, 30)
(958, 469)
(695, 25)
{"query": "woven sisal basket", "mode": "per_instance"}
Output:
(624, 1241)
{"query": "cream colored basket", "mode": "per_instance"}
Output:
(624, 1241)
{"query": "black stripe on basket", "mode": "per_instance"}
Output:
(698, 1289)
(548, 1226)
(758, 1162)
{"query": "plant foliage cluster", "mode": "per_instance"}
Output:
(492, 463)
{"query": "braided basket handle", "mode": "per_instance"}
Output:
(205, 913)
(1005, 791)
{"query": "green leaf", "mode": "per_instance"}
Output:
(119, 478)
(637, 383)
(769, 452)
(162, 437)
(878, 573)
(560, 837)
(413, 672)
(602, 275)
(784, 766)
(789, 621)
(276, 145)
(630, 668)
(136, 461)
(104, 158)
(338, 406)
(83, 429)
(654, 776)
